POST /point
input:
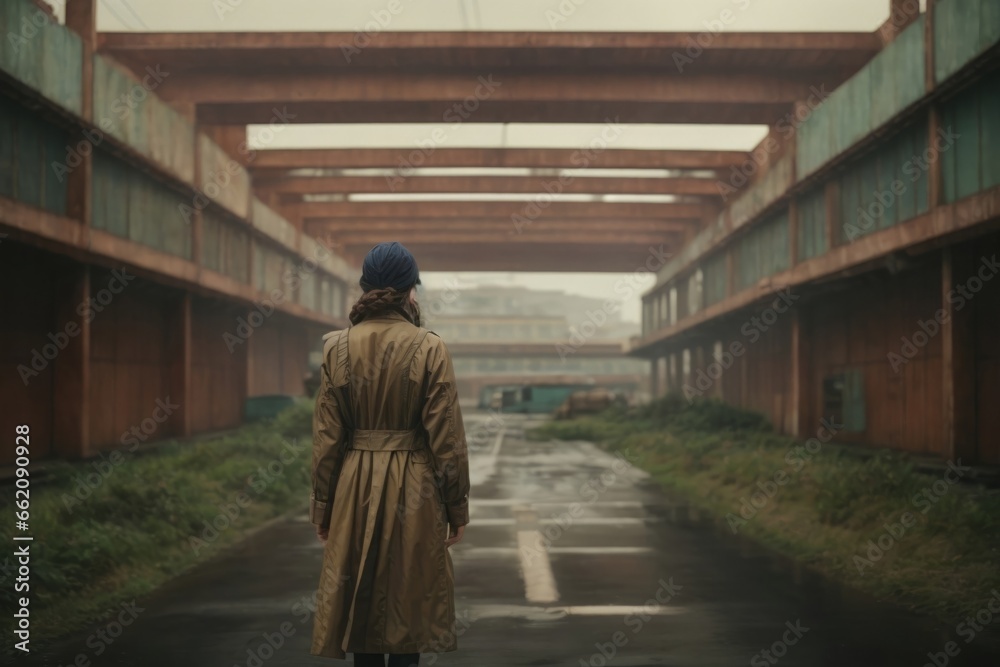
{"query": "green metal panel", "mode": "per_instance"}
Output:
(8, 154)
(812, 224)
(967, 147)
(31, 166)
(128, 109)
(32, 158)
(714, 271)
(989, 136)
(890, 82)
(854, 400)
(55, 184)
(41, 54)
(308, 291)
(963, 29)
(902, 154)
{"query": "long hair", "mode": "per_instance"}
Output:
(376, 301)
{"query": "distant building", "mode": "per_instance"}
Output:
(510, 334)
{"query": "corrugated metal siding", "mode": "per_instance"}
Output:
(43, 55)
(270, 267)
(972, 164)
(271, 223)
(885, 187)
(764, 192)
(128, 203)
(223, 179)
(218, 374)
(962, 30)
(812, 224)
(225, 246)
(715, 278)
(33, 165)
(125, 108)
(308, 291)
(764, 251)
(891, 81)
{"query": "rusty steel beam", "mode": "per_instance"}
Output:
(542, 257)
(495, 184)
(409, 158)
(720, 112)
(263, 50)
(445, 210)
(460, 96)
(622, 226)
(445, 238)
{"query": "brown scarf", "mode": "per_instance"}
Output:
(377, 301)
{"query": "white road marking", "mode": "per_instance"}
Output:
(481, 470)
(618, 610)
(535, 613)
(505, 502)
(487, 552)
(582, 521)
(539, 583)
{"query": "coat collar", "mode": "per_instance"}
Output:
(387, 314)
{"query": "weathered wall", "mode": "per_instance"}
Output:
(218, 375)
(130, 360)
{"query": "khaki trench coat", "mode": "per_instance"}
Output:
(390, 473)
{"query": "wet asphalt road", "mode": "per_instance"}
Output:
(572, 558)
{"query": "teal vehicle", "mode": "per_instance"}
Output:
(539, 398)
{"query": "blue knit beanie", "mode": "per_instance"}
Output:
(389, 264)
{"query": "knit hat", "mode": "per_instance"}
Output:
(389, 264)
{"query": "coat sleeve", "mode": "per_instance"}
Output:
(442, 418)
(328, 451)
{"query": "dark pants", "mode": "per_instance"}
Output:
(378, 660)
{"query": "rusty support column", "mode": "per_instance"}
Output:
(71, 369)
(958, 358)
(180, 353)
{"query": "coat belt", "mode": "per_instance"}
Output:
(387, 441)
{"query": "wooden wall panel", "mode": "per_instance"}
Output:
(27, 281)
(129, 362)
(218, 384)
(987, 337)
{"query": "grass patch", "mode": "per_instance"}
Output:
(149, 517)
(829, 503)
